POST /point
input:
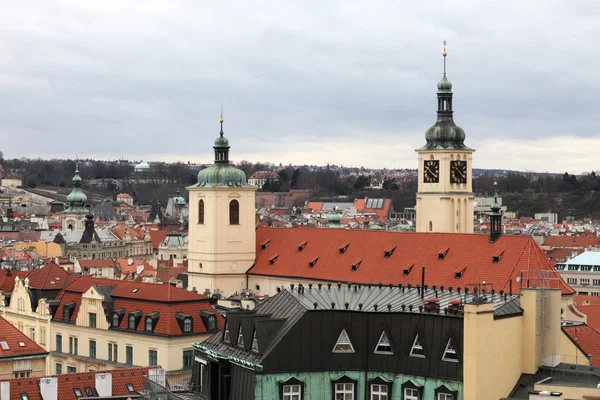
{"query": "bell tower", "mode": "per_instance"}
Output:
(74, 215)
(445, 190)
(221, 230)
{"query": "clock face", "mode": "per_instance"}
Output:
(458, 171)
(431, 171)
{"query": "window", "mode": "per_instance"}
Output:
(226, 337)
(596, 282)
(24, 396)
(71, 370)
(450, 352)
(22, 374)
(131, 322)
(78, 393)
(115, 320)
(187, 358)
(254, 342)
(90, 392)
(379, 392)
(344, 391)
(92, 348)
(115, 352)
(234, 212)
(383, 345)
(67, 313)
(411, 394)
(187, 325)
(152, 358)
(572, 281)
(240, 339)
(129, 355)
(343, 344)
(584, 281)
(202, 373)
(201, 212)
(110, 351)
(212, 323)
(58, 368)
(292, 392)
(4, 345)
(417, 348)
(32, 333)
(444, 396)
(443, 393)
(130, 388)
(71, 344)
(59, 343)
(42, 335)
(149, 324)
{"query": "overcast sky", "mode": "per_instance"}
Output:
(319, 82)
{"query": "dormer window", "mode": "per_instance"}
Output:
(450, 353)
(226, 337)
(240, 339)
(212, 323)
(254, 342)
(115, 320)
(149, 324)
(383, 345)
(417, 348)
(343, 344)
(131, 322)
(67, 312)
(187, 325)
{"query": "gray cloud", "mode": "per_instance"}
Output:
(341, 82)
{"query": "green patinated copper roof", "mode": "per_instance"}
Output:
(76, 199)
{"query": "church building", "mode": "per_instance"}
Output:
(445, 192)
(74, 216)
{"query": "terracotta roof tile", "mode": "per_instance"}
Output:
(154, 292)
(11, 339)
(587, 339)
(68, 382)
(473, 251)
(49, 277)
(572, 241)
(586, 300)
(157, 237)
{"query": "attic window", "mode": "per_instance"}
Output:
(77, 392)
(52, 283)
(302, 245)
(273, 259)
(459, 272)
(343, 344)
(344, 248)
(135, 290)
(417, 348)
(408, 268)
(187, 325)
(498, 255)
(90, 392)
(442, 253)
(24, 396)
(226, 332)
(265, 243)
(450, 352)
(254, 342)
(389, 252)
(57, 278)
(383, 345)
(21, 344)
(130, 388)
(4, 345)
(240, 339)
(356, 265)
(312, 262)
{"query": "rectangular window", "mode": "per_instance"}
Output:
(59, 343)
(115, 352)
(344, 391)
(596, 268)
(293, 392)
(152, 358)
(596, 282)
(129, 355)
(58, 368)
(75, 346)
(92, 348)
(445, 396)
(411, 394)
(92, 320)
(110, 351)
(71, 370)
(379, 392)
(584, 281)
(42, 335)
(187, 358)
(572, 281)
(71, 344)
(32, 333)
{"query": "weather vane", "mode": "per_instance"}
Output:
(444, 54)
(221, 112)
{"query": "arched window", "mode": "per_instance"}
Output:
(149, 324)
(234, 212)
(115, 321)
(201, 212)
(131, 322)
(187, 324)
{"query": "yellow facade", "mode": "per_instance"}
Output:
(445, 206)
(9, 368)
(219, 253)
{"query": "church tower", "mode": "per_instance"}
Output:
(73, 217)
(445, 190)
(221, 230)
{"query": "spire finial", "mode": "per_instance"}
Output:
(77, 163)
(221, 119)
(445, 54)
(495, 190)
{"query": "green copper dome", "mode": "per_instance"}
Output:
(178, 200)
(222, 173)
(444, 85)
(76, 199)
(496, 208)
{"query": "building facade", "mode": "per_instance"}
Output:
(74, 215)
(582, 272)
(20, 357)
(445, 193)
(221, 230)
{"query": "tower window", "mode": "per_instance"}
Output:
(234, 212)
(201, 212)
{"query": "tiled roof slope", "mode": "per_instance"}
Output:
(154, 292)
(586, 300)
(68, 382)
(157, 237)
(587, 339)
(12, 336)
(451, 259)
(49, 277)
(572, 241)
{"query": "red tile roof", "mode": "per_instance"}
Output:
(7, 278)
(560, 255)
(98, 263)
(157, 237)
(572, 241)
(48, 277)
(587, 339)
(382, 213)
(586, 300)
(68, 382)
(165, 274)
(126, 269)
(154, 292)
(593, 314)
(315, 205)
(135, 234)
(12, 338)
(473, 251)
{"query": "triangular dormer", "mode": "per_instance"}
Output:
(450, 353)
(343, 344)
(254, 342)
(417, 348)
(240, 338)
(383, 345)
(226, 337)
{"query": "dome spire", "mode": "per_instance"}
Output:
(221, 119)
(444, 54)
(495, 218)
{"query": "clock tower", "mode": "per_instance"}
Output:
(445, 190)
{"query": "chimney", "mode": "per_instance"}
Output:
(495, 218)
(139, 269)
(5, 390)
(49, 388)
(104, 384)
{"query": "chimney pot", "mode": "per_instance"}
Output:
(5, 390)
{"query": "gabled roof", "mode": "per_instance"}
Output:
(474, 251)
(572, 241)
(380, 207)
(68, 382)
(587, 339)
(7, 278)
(98, 263)
(155, 293)
(48, 277)
(14, 343)
(157, 237)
